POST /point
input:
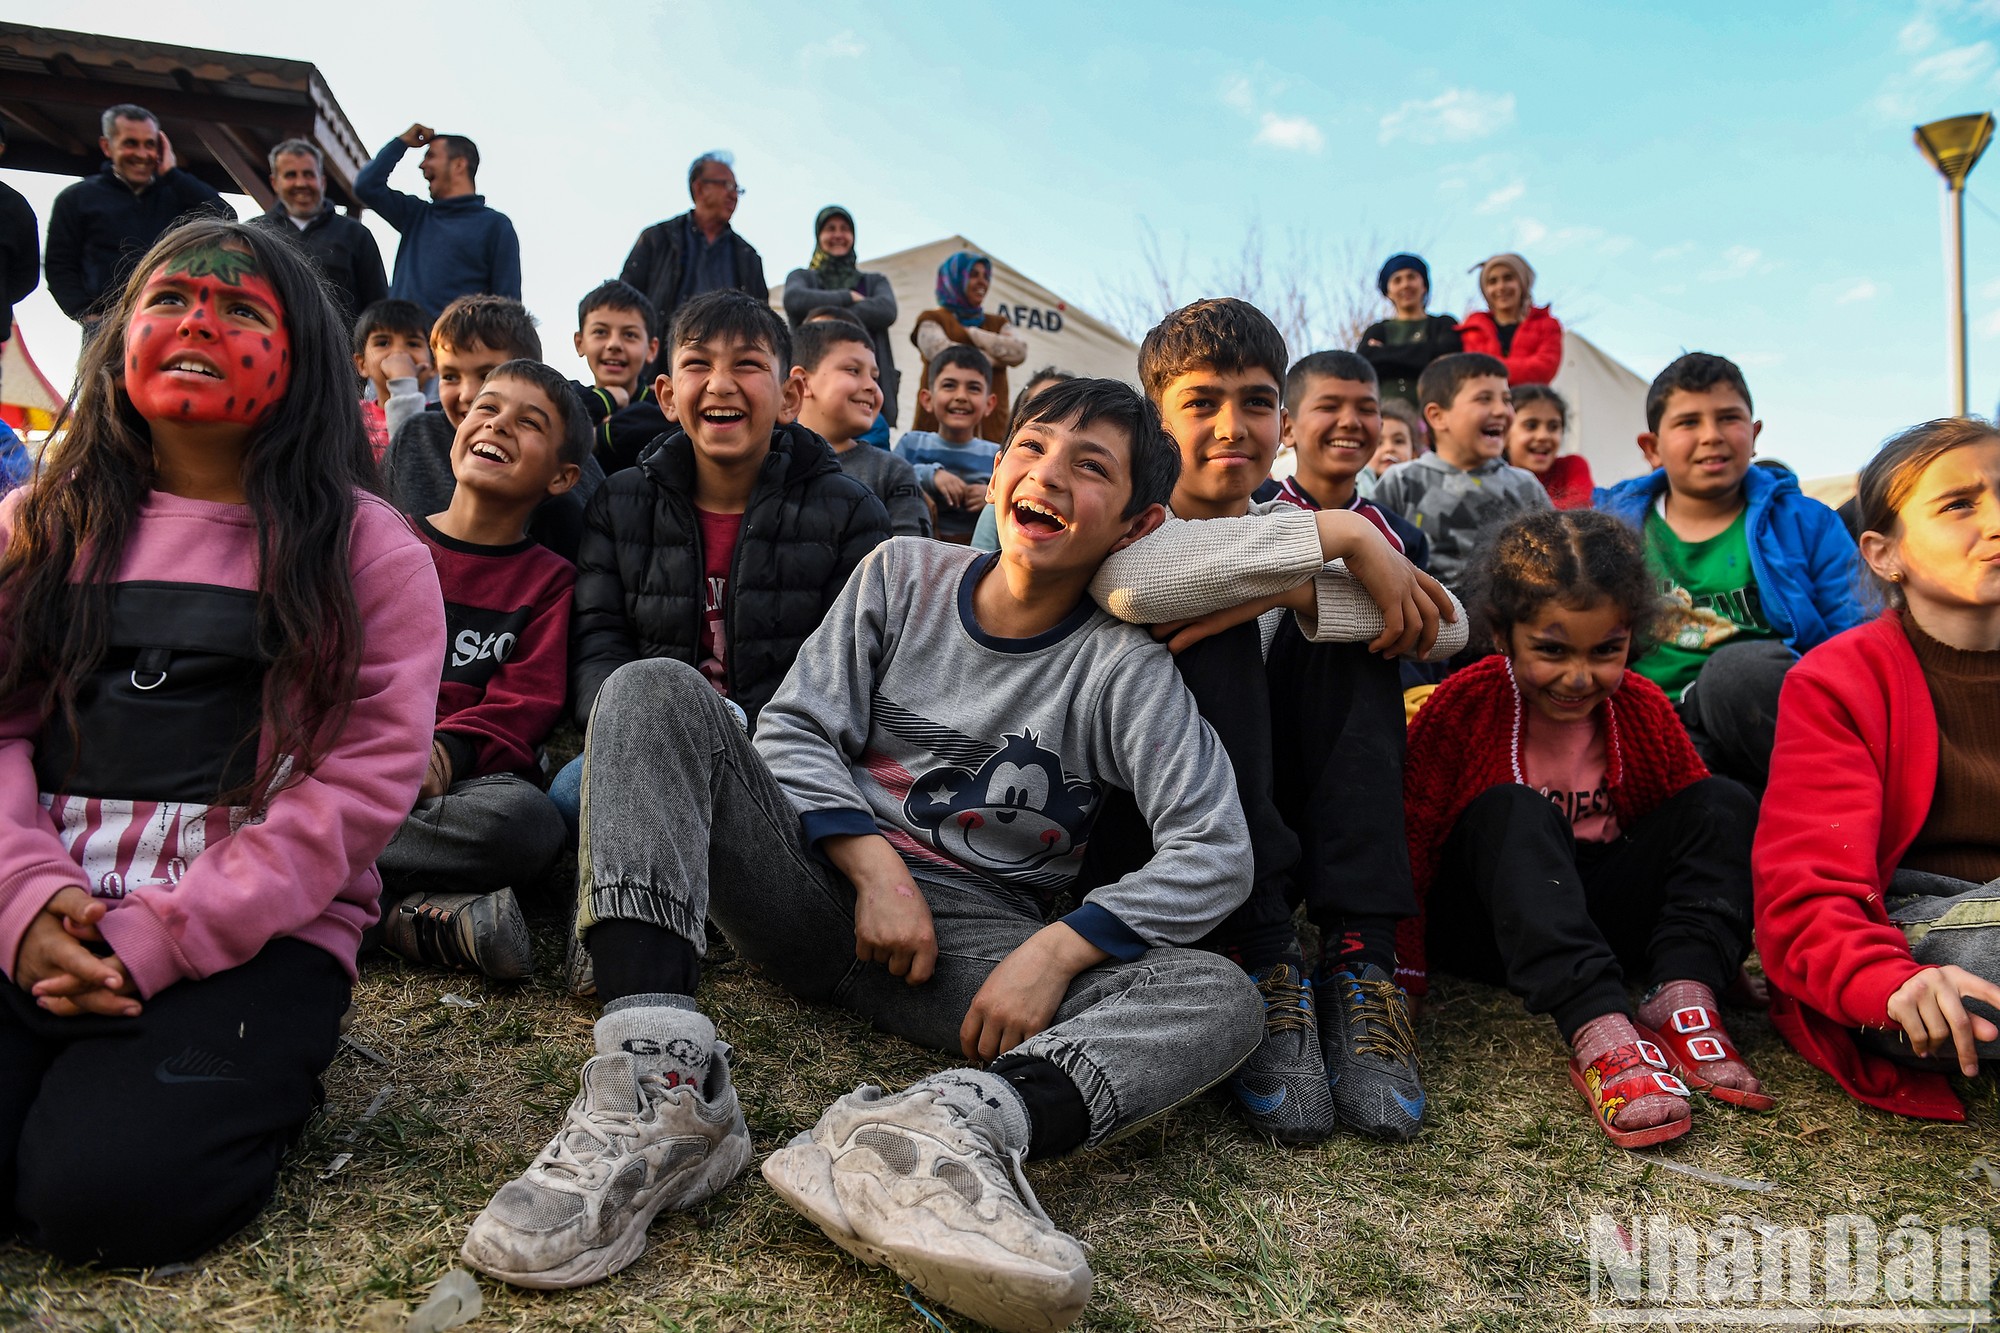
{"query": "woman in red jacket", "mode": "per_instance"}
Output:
(1512, 327)
(1881, 945)
(1563, 832)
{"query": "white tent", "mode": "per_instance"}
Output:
(1607, 409)
(1056, 331)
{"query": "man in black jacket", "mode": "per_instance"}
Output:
(20, 249)
(341, 248)
(683, 257)
(103, 223)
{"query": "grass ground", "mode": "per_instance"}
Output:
(1477, 1225)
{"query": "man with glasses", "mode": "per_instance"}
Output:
(696, 252)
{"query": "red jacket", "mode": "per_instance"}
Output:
(1568, 482)
(1467, 738)
(1852, 777)
(1538, 344)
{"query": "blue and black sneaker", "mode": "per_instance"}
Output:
(1283, 1086)
(1370, 1052)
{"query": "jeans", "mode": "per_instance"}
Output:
(1948, 922)
(1518, 901)
(566, 792)
(683, 821)
(483, 834)
(1731, 710)
(141, 1141)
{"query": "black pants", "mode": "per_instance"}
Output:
(1518, 902)
(141, 1141)
(1731, 710)
(1315, 737)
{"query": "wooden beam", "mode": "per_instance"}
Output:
(290, 116)
(249, 174)
(32, 119)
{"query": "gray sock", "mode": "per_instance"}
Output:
(664, 1035)
(987, 1100)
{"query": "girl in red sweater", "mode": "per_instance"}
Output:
(1878, 860)
(1535, 441)
(1563, 832)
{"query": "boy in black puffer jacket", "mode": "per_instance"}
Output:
(725, 546)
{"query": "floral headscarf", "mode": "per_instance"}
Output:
(951, 286)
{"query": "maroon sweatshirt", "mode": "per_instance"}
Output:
(506, 661)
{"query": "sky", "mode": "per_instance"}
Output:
(1682, 178)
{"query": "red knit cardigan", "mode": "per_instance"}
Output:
(1467, 738)
(1568, 482)
(1538, 344)
(1852, 777)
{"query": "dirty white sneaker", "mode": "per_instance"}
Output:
(629, 1147)
(905, 1182)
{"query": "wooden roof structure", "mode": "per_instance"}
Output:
(224, 111)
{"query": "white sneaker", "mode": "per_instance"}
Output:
(629, 1147)
(905, 1182)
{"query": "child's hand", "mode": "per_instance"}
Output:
(1180, 635)
(892, 922)
(437, 778)
(1021, 996)
(1411, 601)
(618, 394)
(975, 500)
(65, 978)
(402, 366)
(1933, 1014)
(950, 487)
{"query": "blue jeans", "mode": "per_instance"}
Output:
(566, 790)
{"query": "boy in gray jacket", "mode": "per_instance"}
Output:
(924, 783)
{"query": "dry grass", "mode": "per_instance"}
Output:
(1195, 1223)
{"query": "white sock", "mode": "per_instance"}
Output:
(663, 1034)
(986, 1100)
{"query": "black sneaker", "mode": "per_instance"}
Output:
(1370, 1051)
(1283, 1086)
(469, 932)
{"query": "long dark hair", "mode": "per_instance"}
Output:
(306, 459)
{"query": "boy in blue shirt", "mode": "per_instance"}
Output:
(952, 463)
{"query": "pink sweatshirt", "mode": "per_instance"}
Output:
(195, 889)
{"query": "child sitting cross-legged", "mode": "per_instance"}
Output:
(1881, 942)
(1564, 835)
(917, 797)
(481, 822)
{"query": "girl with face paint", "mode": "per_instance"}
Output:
(216, 701)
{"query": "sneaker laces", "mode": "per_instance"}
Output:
(1378, 1009)
(1014, 1159)
(602, 1129)
(1287, 1002)
(436, 937)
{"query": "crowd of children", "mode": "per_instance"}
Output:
(1064, 789)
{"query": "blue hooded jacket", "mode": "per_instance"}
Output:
(1806, 564)
(450, 247)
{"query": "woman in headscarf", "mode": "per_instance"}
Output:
(1512, 327)
(962, 283)
(832, 282)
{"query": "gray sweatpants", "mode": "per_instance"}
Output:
(483, 834)
(682, 820)
(1950, 922)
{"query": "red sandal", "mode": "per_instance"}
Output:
(1691, 1039)
(1622, 1075)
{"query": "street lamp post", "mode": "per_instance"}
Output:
(1953, 146)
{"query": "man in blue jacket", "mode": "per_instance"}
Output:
(102, 224)
(454, 245)
(1755, 571)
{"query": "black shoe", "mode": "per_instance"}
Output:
(1371, 1053)
(470, 932)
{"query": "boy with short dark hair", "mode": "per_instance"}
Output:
(840, 395)
(1466, 487)
(1333, 423)
(1755, 571)
(392, 354)
(952, 463)
(1313, 723)
(618, 336)
(472, 338)
(922, 786)
(481, 822)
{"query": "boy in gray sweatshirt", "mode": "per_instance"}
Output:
(924, 784)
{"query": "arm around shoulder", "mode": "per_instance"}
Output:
(1186, 569)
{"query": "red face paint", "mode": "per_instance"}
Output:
(207, 343)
